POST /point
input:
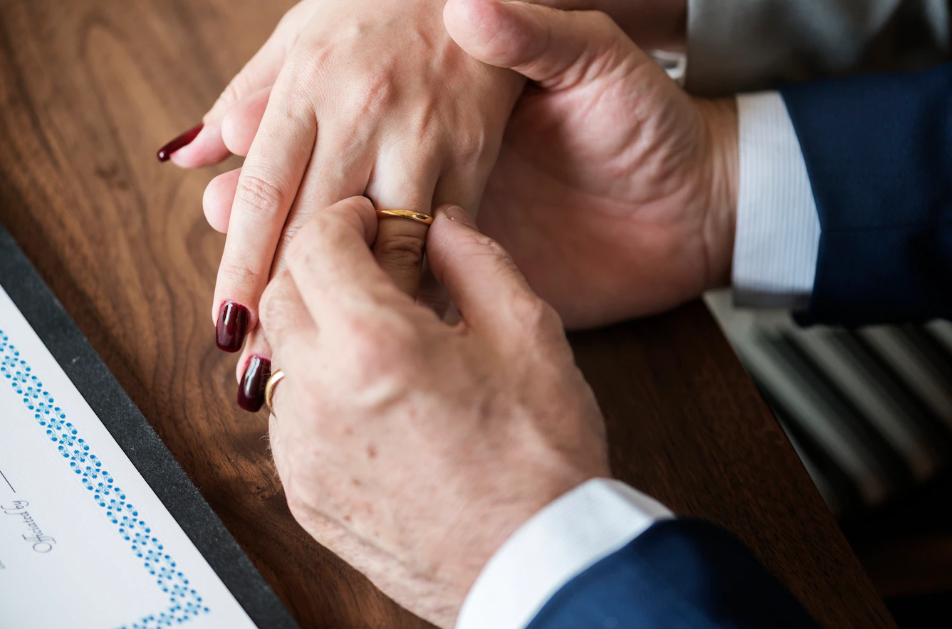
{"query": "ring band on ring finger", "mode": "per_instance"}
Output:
(408, 215)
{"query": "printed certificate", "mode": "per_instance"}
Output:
(85, 541)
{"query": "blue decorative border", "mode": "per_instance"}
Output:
(184, 602)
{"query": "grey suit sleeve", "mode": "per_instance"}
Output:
(744, 45)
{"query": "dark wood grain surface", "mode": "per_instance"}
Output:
(90, 88)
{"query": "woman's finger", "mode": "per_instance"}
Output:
(402, 181)
(253, 371)
(334, 174)
(241, 123)
(207, 146)
(218, 199)
(267, 186)
(333, 267)
(238, 130)
(482, 280)
(286, 320)
(287, 317)
(399, 245)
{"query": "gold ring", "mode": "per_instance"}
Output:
(273, 381)
(419, 217)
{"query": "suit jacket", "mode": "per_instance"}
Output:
(878, 152)
(678, 573)
(745, 45)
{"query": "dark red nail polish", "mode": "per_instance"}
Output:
(232, 325)
(183, 140)
(251, 389)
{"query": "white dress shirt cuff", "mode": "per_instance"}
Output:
(568, 536)
(778, 229)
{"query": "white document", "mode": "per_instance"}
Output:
(84, 542)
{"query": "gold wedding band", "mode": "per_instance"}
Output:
(419, 217)
(276, 377)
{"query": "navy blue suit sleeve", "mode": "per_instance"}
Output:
(678, 573)
(878, 150)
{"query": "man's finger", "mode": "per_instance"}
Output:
(266, 189)
(482, 280)
(287, 339)
(285, 319)
(332, 265)
(278, 451)
(552, 47)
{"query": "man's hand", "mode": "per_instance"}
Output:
(411, 448)
(615, 191)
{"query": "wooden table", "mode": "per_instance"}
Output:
(90, 88)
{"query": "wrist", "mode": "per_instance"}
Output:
(462, 563)
(722, 175)
(558, 543)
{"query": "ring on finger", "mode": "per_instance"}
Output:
(276, 377)
(409, 215)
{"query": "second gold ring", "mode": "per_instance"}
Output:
(276, 377)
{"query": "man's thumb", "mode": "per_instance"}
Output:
(552, 47)
(479, 275)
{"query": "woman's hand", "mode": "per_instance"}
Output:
(410, 448)
(358, 97)
(615, 191)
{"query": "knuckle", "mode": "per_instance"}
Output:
(601, 21)
(473, 242)
(334, 220)
(303, 75)
(379, 346)
(259, 194)
(305, 235)
(287, 245)
(535, 316)
(275, 302)
(296, 254)
(503, 264)
(551, 320)
(400, 251)
(373, 92)
(470, 143)
(239, 274)
(300, 243)
(291, 18)
(423, 126)
(233, 92)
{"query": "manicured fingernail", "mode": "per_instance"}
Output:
(232, 325)
(251, 389)
(458, 214)
(183, 140)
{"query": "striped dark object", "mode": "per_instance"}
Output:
(869, 411)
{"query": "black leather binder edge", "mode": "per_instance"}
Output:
(136, 438)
